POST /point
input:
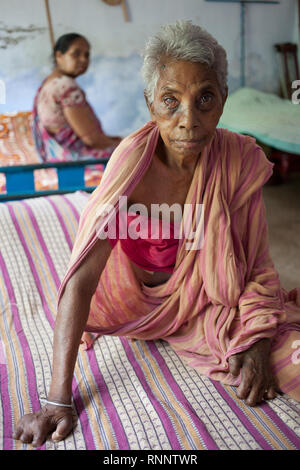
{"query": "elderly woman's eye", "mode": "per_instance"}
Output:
(170, 102)
(206, 99)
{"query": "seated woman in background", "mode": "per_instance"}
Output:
(65, 126)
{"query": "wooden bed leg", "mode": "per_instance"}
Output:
(282, 165)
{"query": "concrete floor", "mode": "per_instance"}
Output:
(283, 215)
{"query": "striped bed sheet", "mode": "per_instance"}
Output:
(128, 394)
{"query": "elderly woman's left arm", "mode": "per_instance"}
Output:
(260, 310)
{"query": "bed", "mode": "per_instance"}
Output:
(273, 121)
(128, 394)
(270, 119)
(22, 171)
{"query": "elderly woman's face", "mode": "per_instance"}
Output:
(187, 107)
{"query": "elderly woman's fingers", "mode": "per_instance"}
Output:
(273, 390)
(27, 434)
(256, 387)
(64, 428)
(248, 376)
(270, 393)
(263, 393)
(235, 363)
(22, 432)
(41, 433)
(256, 394)
(35, 427)
(257, 380)
(26, 437)
(39, 440)
(17, 432)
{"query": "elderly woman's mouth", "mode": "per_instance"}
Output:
(189, 143)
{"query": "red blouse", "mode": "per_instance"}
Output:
(155, 243)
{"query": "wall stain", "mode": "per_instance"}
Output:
(11, 36)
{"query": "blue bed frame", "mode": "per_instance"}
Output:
(20, 178)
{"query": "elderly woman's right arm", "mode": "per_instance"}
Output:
(70, 322)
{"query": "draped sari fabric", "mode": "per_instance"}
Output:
(221, 298)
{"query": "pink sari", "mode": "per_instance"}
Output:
(220, 299)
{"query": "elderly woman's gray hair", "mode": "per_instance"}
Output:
(183, 41)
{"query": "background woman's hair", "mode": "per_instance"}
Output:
(183, 41)
(64, 42)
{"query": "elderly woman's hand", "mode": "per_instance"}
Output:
(34, 428)
(257, 381)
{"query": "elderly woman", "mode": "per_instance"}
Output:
(210, 289)
(65, 126)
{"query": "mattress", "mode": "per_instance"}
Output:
(128, 394)
(17, 148)
(270, 119)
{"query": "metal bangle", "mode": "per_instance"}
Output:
(55, 403)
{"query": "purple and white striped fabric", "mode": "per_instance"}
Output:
(128, 394)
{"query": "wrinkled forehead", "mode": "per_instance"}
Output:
(182, 74)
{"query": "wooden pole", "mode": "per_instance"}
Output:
(298, 22)
(49, 23)
(125, 12)
(243, 45)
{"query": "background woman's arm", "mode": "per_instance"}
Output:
(85, 125)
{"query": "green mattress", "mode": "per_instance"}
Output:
(271, 120)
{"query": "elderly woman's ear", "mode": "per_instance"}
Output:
(149, 105)
(225, 96)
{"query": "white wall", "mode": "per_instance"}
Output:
(113, 82)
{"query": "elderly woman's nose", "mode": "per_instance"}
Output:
(189, 117)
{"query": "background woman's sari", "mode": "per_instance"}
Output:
(63, 145)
